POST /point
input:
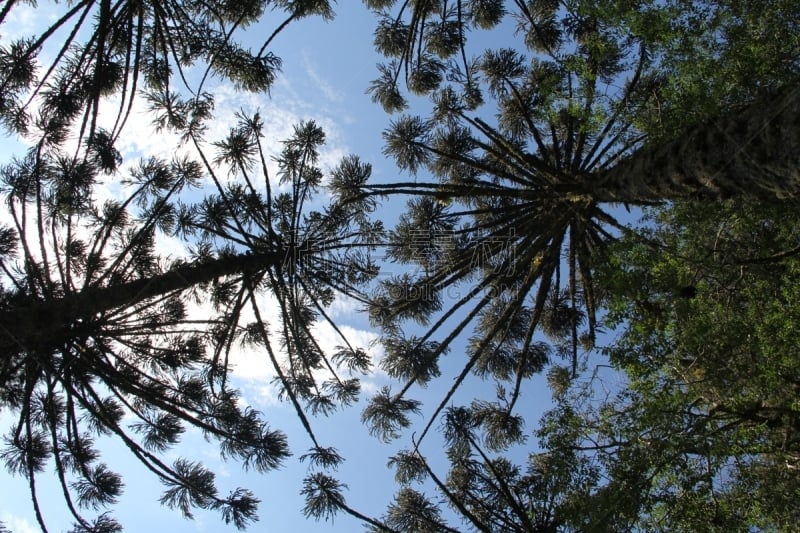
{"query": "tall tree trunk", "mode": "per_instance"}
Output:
(46, 319)
(751, 153)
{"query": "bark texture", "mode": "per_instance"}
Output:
(753, 152)
(44, 320)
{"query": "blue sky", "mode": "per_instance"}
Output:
(327, 68)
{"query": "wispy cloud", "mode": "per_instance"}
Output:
(17, 524)
(331, 93)
(253, 369)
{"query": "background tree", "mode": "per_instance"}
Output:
(704, 434)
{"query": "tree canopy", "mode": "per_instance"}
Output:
(632, 102)
(97, 325)
(125, 48)
(529, 131)
(706, 427)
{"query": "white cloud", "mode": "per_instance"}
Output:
(252, 365)
(21, 22)
(260, 395)
(17, 524)
(253, 368)
(344, 307)
(328, 338)
(279, 115)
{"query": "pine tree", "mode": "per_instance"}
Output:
(96, 325)
(124, 49)
(589, 115)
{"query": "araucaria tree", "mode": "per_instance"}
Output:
(594, 107)
(100, 334)
(96, 326)
(102, 48)
(531, 145)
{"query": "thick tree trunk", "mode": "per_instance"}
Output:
(751, 153)
(44, 320)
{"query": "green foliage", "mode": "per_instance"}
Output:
(725, 52)
(323, 496)
(96, 327)
(412, 511)
(488, 492)
(387, 414)
(704, 433)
